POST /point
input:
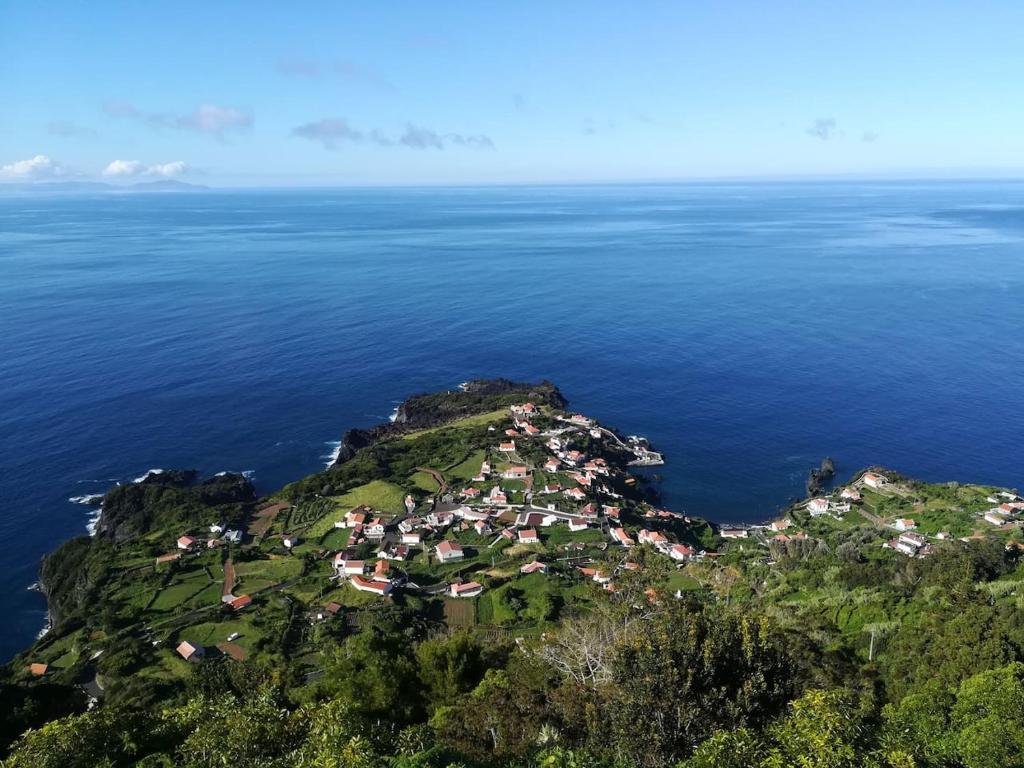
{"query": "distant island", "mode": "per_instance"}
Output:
(493, 579)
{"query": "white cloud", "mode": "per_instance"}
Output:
(137, 168)
(124, 168)
(38, 167)
(177, 168)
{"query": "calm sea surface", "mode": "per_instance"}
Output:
(747, 330)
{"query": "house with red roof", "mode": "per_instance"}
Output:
(467, 589)
(509, 447)
(534, 567)
(577, 524)
(680, 552)
(375, 587)
(240, 602)
(190, 651)
(448, 551)
(515, 473)
(186, 542)
(528, 536)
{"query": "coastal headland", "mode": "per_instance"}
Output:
(493, 511)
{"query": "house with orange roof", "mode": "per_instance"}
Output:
(374, 587)
(654, 538)
(619, 536)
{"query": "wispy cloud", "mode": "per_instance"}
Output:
(210, 119)
(869, 137)
(67, 129)
(128, 168)
(334, 132)
(519, 101)
(343, 69)
(592, 127)
(823, 128)
(38, 167)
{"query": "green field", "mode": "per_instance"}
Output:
(481, 419)
(380, 495)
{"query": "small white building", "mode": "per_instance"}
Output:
(874, 480)
(448, 551)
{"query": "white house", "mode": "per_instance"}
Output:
(680, 552)
(534, 567)
(874, 480)
(371, 585)
(817, 507)
(619, 536)
(349, 567)
(411, 538)
(468, 589)
(528, 536)
(904, 524)
(448, 551)
(234, 536)
(577, 524)
(733, 533)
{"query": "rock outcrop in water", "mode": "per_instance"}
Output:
(821, 476)
(432, 410)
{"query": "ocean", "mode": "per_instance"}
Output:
(748, 330)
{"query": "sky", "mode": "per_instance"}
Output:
(378, 93)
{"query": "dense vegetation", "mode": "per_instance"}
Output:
(819, 650)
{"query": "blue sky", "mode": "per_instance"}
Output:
(232, 93)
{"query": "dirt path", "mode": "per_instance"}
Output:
(438, 478)
(229, 578)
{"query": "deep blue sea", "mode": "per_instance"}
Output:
(747, 330)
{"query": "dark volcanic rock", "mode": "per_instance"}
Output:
(175, 478)
(226, 488)
(821, 477)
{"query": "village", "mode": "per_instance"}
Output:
(548, 494)
(545, 495)
(501, 523)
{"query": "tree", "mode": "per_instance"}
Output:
(449, 667)
(988, 719)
